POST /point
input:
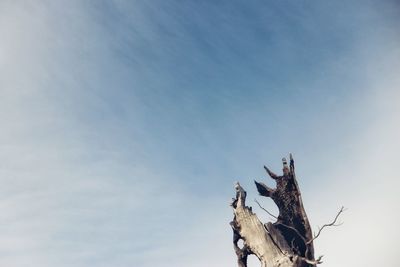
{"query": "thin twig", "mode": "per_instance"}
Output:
(270, 214)
(295, 230)
(329, 224)
(287, 226)
(313, 262)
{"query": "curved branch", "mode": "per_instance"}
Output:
(296, 231)
(269, 213)
(326, 225)
(270, 173)
(312, 262)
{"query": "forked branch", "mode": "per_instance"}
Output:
(333, 223)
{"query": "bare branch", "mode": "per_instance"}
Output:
(270, 173)
(264, 190)
(313, 262)
(295, 230)
(269, 213)
(333, 223)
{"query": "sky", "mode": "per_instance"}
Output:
(125, 124)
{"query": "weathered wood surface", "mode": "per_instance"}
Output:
(288, 242)
(256, 239)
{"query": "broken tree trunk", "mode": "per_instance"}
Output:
(286, 243)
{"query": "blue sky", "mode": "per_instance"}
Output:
(126, 123)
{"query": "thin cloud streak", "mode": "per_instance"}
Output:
(126, 124)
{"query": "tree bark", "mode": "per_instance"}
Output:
(288, 242)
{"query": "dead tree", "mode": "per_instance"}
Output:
(288, 242)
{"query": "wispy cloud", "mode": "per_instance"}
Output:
(124, 125)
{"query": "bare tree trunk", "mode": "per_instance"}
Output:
(286, 243)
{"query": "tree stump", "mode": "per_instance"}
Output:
(288, 242)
